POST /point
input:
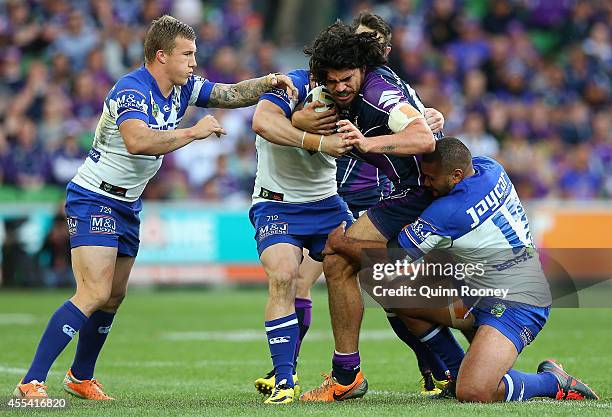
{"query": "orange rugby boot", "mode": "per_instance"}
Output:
(87, 389)
(32, 389)
(331, 390)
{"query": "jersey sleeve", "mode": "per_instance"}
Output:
(383, 94)
(420, 237)
(279, 96)
(129, 99)
(199, 90)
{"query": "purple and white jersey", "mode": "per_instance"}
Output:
(382, 90)
(110, 169)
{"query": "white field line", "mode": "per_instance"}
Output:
(21, 371)
(251, 335)
(15, 318)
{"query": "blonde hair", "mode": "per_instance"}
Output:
(162, 34)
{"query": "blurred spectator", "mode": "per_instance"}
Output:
(581, 180)
(475, 137)
(76, 41)
(67, 158)
(529, 81)
(122, 52)
(223, 185)
(55, 254)
(27, 165)
(442, 22)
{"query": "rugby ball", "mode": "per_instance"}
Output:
(323, 95)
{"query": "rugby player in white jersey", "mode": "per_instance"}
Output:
(295, 206)
(137, 127)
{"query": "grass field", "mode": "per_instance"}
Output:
(196, 352)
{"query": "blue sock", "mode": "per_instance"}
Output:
(521, 386)
(63, 325)
(427, 359)
(441, 341)
(91, 339)
(283, 334)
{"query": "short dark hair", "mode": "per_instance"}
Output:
(162, 35)
(339, 47)
(374, 22)
(451, 153)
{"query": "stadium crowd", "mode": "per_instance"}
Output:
(525, 81)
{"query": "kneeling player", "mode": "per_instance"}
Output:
(479, 219)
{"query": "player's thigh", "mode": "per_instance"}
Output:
(94, 268)
(309, 271)
(335, 266)
(364, 229)
(281, 261)
(490, 356)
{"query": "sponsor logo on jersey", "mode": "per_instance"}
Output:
(280, 339)
(102, 224)
(155, 110)
(526, 336)
(94, 154)
(272, 229)
(528, 253)
(417, 231)
(498, 309)
(72, 225)
(491, 201)
(271, 195)
(68, 330)
(130, 99)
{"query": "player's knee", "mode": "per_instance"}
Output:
(333, 266)
(97, 299)
(113, 303)
(283, 279)
(474, 393)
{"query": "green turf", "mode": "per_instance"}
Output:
(188, 353)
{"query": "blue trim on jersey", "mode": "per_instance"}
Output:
(509, 233)
(301, 80)
(204, 95)
(520, 323)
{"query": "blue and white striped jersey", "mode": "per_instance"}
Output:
(109, 165)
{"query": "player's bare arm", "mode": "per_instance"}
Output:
(413, 136)
(142, 140)
(270, 123)
(247, 92)
(313, 121)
